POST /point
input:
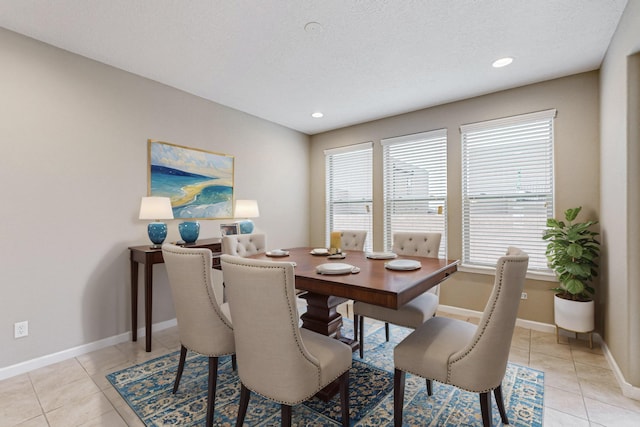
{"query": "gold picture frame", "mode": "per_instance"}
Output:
(198, 182)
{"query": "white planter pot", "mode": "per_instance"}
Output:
(575, 316)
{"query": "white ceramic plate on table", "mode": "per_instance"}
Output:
(277, 253)
(336, 268)
(320, 251)
(403, 264)
(381, 255)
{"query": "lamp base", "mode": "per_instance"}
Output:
(189, 231)
(157, 233)
(246, 226)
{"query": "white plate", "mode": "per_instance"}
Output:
(277, 253)
(403, 264)
(336, 268)
(381, 255)
(320, 251)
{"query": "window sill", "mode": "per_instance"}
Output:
(546, 277)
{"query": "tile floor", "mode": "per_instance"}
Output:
(580, 389)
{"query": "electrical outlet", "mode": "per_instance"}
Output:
(523, 296)
(21, 329)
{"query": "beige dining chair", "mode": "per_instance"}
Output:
(276, 358)
(204, 325)
(352, 240)
(244, 244)
(418, 310)
(459, 353)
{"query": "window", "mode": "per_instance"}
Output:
(349, 193)
(507, 188)
(415, 185)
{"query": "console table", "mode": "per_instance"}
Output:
(149, 256)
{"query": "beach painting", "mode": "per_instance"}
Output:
(198, 182)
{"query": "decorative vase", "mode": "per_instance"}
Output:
(574, 316)
(157, 233)
(246, 226)
(189, 231)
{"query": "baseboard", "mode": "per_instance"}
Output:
(50, 359)
(528, 324)
(628, 390)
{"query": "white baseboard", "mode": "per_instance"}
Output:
(50, 359)
(628, 390)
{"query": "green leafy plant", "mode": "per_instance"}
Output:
(572, 253)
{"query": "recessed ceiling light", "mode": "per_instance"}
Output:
(317, 115)
(313, 27)
(502, 62)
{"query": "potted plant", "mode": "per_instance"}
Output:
(572, 253)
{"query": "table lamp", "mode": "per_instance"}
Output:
(156, 208)
(246, 209)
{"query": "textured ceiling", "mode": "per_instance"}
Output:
(366, 60)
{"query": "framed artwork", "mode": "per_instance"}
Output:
(198, 182)
(228, 229)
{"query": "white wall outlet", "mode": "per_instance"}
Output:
(523, 296)
(21, 329)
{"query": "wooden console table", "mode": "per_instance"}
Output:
(149, 256)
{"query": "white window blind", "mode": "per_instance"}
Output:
(415, 185)
(349, 194)
(507, 188)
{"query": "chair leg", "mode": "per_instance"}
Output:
(356, 323)
(386, 331)
(497, 393)
(398, 396)
(211, 393)
(429, 389)
(183, 357)
(234, 363)
(485, 407)
(344, 398)
(245, 394)
(285, 415)
(361, 337)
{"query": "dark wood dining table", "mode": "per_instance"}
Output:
(374, 284)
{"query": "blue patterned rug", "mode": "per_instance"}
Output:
(147, 389)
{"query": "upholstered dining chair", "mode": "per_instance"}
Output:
(470, 357)
(418, 310)
(352, 240)
(204, 325)
(276, 358)
(244, 244)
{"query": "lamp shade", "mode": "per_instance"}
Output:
(156, 208)
(247, 209)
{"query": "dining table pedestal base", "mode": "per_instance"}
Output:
(322, 317)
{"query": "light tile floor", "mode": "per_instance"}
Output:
(580, 389)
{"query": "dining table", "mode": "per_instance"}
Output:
(370, 281)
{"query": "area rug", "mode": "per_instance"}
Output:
(147, 387)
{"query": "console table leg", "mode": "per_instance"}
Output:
(148, 302)
(134, 300)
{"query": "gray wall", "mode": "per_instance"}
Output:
(73, 168)
(620, 208)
